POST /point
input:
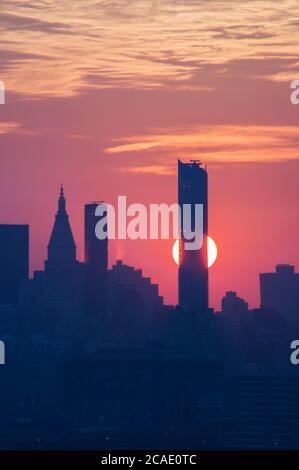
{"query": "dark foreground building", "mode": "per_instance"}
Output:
(262, 412)
(144, 398)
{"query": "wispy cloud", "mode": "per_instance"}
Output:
(214, 143)
(160, 170)
(133, 147)
(8, 127)
(12, 22)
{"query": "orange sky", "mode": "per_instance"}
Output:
(105, 95)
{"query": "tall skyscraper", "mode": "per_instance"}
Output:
(96, 263)
(193, 269)
(14, 261)
(280, 291)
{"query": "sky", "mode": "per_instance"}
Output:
(105, 95)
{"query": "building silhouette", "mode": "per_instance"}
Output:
(61, 247)
(280, 291)
(148, 376)
(134, 304)
(233, 305)
(96, 265)
(14, 261)
(53, 299)
(193, 269)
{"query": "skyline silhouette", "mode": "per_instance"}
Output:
(62, 242)
(118, 344)
(97, 353)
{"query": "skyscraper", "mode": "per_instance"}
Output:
(193, 269)
(14, 261)
(96, 264)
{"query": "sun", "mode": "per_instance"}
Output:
(212, 252)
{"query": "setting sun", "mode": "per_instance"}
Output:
(212, 252)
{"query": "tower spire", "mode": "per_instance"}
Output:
(61, 202)
(61, 248)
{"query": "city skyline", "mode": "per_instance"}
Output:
(62, 242)
(99, 104)
(149, 270)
